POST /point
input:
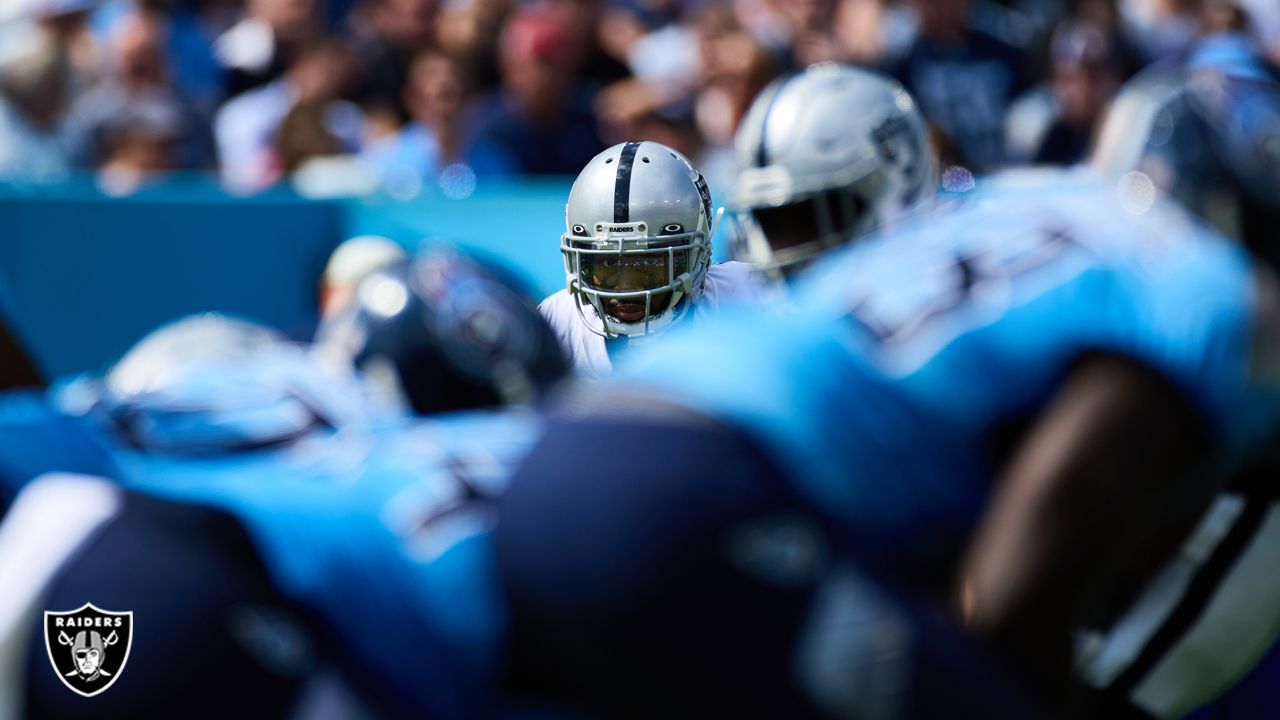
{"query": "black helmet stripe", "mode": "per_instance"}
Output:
(622, 183)
(762, 158)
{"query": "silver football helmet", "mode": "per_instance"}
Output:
(824, 156)
(637, 244)
(1207, 132)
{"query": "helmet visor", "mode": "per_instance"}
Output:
(629, 281)
(812, 219)
(633, 272)
(638, 273)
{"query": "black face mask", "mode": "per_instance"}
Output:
(836, 211)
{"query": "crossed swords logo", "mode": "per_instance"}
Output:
(107, 642)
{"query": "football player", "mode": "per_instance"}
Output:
(1024, 390)
(1204, 132)
(263, 526)
(824, 156)
(637, 254)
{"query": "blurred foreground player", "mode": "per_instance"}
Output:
(410, 327)
(637, 255)
(1037, 366)
(824, 156)
(360, 545)
(34, 437)
(1204, 132)
(349, 263)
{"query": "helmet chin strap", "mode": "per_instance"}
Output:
(715, 225)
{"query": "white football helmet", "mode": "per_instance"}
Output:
(824, 156)
(638, 238)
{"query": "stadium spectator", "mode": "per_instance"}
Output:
(437, 135)
(1087, 73)
(1264, 20)
(810, 30)
(387, 35)
(1055, 124)
(542, 115)
(1162, 28)
(589, 58)
(137, 94)
(138, 143)
(471, 30)
(258, 48)
(36, 90)
(306, 133)
(735, 68)
(964, 79)
(659, 45)
(652, 66)
(246, 127)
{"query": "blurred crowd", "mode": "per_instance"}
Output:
(407, 96)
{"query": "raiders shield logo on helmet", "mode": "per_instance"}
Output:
(88, 647)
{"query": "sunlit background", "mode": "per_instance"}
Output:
(159, 157)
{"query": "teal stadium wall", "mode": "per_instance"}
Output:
(84, 274)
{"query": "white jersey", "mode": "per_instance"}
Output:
(728, 282)
(1204, 620)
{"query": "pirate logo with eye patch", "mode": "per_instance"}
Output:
(88, 647)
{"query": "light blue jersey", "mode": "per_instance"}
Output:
(384, 535)
(881, 395)
(36, 439)
(377, 522)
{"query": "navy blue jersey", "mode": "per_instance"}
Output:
(882, 395)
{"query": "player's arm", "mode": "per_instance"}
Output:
(1101, 489)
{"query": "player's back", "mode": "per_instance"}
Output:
(35, 438)
(382, 534)
(910, 353)
(374, 520)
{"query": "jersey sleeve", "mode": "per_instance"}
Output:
(583, 347)
(35, 439)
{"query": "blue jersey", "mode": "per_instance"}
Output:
(880, 397)
(376, 522)
(35, 439)
(384, 535)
